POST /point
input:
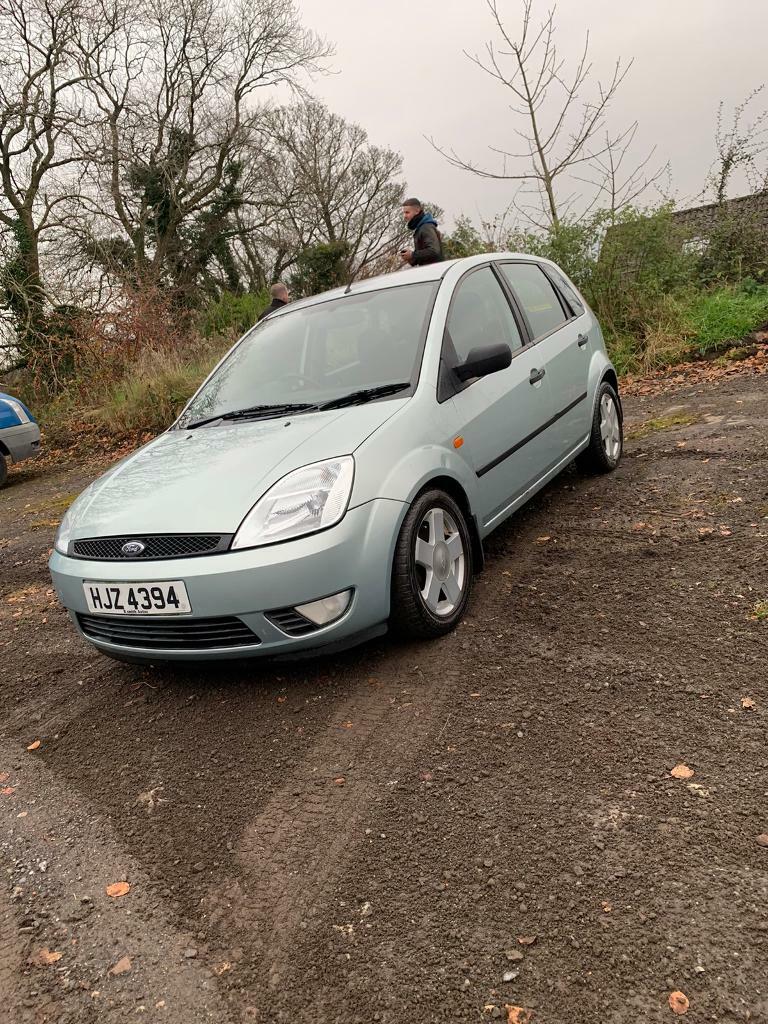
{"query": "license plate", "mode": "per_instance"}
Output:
(137, 598)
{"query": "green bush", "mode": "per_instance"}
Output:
(232, 315)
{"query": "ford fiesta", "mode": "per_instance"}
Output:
(340, 468)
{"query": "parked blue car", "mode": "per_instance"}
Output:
(19, 433)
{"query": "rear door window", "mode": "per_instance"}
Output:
(536, 295)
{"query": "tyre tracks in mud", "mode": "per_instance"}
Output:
(290, 854)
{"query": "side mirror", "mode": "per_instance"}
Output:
(482, 361)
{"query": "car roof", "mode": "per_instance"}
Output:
(408, 275)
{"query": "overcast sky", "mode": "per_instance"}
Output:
(402, 75)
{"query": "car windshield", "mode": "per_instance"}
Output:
(314, 355)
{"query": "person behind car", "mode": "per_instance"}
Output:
(427, 243)
(280, 297)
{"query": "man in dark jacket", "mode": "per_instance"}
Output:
(427, 243)
(280, 298)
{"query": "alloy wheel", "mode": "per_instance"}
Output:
(441, 564)
(610, 427)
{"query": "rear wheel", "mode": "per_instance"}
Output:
(432, 573)
(606, 440)
(3, 469)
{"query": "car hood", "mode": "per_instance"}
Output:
(206, 480)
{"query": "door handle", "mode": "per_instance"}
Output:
(536, 376)
(583, 339)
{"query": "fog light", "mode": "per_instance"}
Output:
(327, 609)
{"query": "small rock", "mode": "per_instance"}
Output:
(762, 840)
(466, 983)
(510, 975)
(190, 954)
(199, 866)
(514, 955)
(122, 966)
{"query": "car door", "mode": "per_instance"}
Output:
(562, 335)
(499, 416)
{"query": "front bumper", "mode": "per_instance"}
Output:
(355, 554)
(23, 441)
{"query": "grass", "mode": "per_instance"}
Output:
(661, 423)
(691, 324)
(725, 315)
(760, 611)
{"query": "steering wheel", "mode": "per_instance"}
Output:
(300, 378)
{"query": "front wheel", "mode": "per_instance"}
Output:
(606, 440)
(432, 572)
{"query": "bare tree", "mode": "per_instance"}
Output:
(330, 184)
(40, 119)
(175, 94)
(560, 130)
(740, 147)
(616, 182)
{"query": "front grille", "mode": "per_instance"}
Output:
(168, 634)
(291, 622)
(171, 545)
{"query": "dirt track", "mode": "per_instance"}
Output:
(369, 838)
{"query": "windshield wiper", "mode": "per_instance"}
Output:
(254, 412)
(364, 395)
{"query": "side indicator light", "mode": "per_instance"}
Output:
(458, 442)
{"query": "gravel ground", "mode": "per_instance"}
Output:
(481, 828)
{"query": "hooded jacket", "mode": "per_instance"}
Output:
(274, 304)
(427, 244)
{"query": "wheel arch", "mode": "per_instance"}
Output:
(610, 377)
(452, 487)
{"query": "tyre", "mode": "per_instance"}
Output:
(606, 439)
(3, 469)
(433, 567)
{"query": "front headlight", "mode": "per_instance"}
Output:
(307, 500)
(64, 533)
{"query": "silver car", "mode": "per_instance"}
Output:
(338, 471)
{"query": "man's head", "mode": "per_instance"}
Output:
(279, 291)
(411, 208)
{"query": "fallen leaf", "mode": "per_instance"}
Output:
(7, 790)
(682, 771)
(678, 1003)
(346, 725)
(22, 814)
(340, 781)
(222, 968)
(45, 957)
(34, 746)
(518, 1015)
(543, 540)
(122, 966)
(527, 940)
(118, 889)
(748, 703)
(606, 906)
(281, 700)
